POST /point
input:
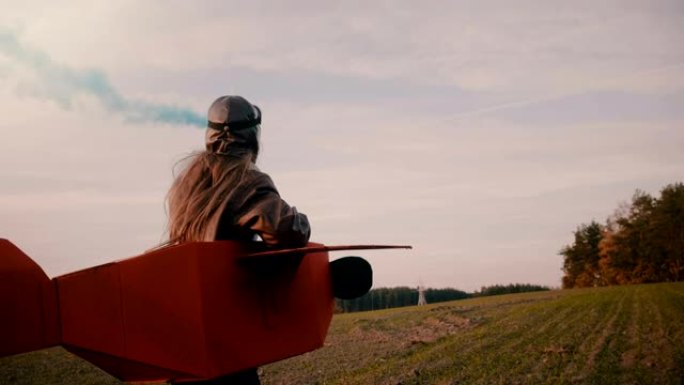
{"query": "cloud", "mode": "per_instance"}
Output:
(524, 50)
(482, 133)
(64, 85)
(531, 48)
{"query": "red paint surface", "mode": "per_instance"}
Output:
(28, 306)
(193, 311)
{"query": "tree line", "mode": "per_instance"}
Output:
(389, 297)
(642, 242)
(509, 289)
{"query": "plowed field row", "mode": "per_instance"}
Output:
(617, 335)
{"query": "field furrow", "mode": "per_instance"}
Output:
(569, 337)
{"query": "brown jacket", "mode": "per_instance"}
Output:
(255, 208)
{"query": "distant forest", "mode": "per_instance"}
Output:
(642, 242)
(385, 298)
(508, 289)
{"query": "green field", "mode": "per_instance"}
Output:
(615, 335)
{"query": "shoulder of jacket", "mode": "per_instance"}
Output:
(260, 179)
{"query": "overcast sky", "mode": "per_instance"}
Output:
(480, 132)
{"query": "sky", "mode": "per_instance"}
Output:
(482, 133)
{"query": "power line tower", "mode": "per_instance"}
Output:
(421, 295)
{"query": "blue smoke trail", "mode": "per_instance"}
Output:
(61, 84)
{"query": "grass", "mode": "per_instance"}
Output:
(615, 335)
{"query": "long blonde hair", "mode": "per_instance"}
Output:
(199, 191)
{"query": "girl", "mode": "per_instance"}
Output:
(221, 194)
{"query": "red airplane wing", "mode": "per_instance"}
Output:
(186, 312)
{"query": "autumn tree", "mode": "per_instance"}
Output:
(627, 252)
(581, 258)
(642, 242)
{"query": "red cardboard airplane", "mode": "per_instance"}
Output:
(188, 312)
